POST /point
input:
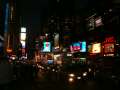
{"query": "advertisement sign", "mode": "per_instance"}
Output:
(23, 44)
(46, 47)
(23, 40)
(83, 46)
(78, 46)
(98, 21)
(22, 36)
(94, 21)
(108, 46)
(56, 41)
(23, 30)
(96, 48)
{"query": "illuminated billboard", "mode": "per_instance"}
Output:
(96, 48)
(78, 46)
(83, 47)
(109, 48)
(23, 44)
(22, 36)
(46, 47)
(23, 39)
(98, 21)
(56, 41)
(23, 30)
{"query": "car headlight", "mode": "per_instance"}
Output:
(53, 70)
(85, 74)
(78, 77)
(70, 79)
(71, 75)
(89, 69)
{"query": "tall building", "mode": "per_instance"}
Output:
(1, 28)
(11, 26)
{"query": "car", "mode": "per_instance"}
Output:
(76, 73)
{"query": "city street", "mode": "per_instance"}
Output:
(43, 83)
(59, 44)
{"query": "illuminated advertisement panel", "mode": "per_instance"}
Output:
(46, 47)
(83, 47)
(109, 48)
(23, 30)
(56, 41)
(78, 46)
(98, 21)
(96, 48)
(22, 36)
(23, 44)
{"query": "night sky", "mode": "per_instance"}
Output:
(35, 12)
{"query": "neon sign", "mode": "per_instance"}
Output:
(109, 40)
(108, 46)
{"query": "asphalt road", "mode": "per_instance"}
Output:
(43, 83)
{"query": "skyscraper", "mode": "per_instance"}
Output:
(11, 26)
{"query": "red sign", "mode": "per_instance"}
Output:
(109, 40)
(108, 46)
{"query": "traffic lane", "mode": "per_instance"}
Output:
(53, 85)
(53, 81)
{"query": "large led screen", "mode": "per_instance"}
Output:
(46, 47)
(83, 46)
(78, 46)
